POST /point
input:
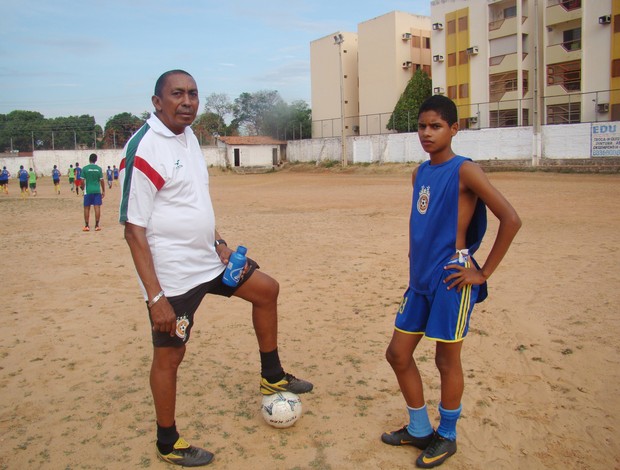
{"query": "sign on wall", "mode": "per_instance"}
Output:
(605, 140)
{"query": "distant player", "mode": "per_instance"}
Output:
(56, 179)
(79, 184)
(115, 171)
(94, 191)
(71, 174)
(108, 174)
(22, 175)
(4, 180)
(32, 181)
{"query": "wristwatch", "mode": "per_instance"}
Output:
(220, 242)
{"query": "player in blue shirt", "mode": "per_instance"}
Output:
(4, 180)
(448, 221)
(23, 181)
(56, 179)
(108, 175)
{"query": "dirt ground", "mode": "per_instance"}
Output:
(541, 359)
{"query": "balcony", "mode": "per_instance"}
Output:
(564, 51)
(561, 11)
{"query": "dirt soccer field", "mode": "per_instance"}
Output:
(541, 360)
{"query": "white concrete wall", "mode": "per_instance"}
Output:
(43, 161)
(513, 143)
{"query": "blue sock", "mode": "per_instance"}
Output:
(447, 422)
(419, 424)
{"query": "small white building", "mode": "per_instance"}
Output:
(253, 151)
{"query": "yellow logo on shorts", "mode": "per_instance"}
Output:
(423, 199)
(182, 324)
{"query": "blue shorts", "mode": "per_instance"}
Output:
(92, 199)
(442, 315)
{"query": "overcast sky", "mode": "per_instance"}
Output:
(102, 57)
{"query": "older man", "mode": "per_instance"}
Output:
(180, 256)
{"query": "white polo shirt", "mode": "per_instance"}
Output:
(165, 188)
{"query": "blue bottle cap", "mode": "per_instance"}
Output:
(242, 250)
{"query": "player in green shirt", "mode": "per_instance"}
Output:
(94, 191)
(32, 182)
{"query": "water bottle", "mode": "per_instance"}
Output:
(235, 266)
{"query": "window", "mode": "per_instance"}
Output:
(616, 23)
(572, 39)
(508, 118)
(566, 74)
(427, 69)
(510, 12)
(451, 59)
(415, 41)
(452, 92)
(615, 68)
(566, 113)
(570, 4)
(426, 43)
(502, 83)
(463, 57)
(463, 23)
(451, 27)
(464, 90)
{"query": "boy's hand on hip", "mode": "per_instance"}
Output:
(463, 277)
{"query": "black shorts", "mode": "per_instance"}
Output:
(23, 184)
(185, 305)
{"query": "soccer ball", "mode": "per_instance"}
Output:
(281, 410)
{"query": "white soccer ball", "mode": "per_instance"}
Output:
(281, 410)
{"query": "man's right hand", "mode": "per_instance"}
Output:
(163, 317)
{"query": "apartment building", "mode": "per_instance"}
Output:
(527, 62)
(369, 69)
(334, 84)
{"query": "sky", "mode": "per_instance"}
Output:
(102, 57)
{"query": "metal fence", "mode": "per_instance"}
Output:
(555, 109)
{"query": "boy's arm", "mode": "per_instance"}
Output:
(474, 180)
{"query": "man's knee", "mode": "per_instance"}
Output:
(168, 357)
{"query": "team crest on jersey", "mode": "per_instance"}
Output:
(424, 197)
(182, 324)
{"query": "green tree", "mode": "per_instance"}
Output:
(289, 121)
(17, 128)
(405, 115)
(251, 109)
(207, 126)
(120, 128)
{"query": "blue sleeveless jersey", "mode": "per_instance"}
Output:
(433, 223)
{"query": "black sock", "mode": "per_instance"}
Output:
(166, 438)
(271, 369)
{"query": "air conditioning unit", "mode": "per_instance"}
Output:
(472, 120)
(438, 90)
(407, 64)
(605, 19)
(472, 50)
(438, 58)
(437, 26)
(406, 36)
(602, 108)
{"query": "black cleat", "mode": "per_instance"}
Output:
(436, 453)
(403, 438)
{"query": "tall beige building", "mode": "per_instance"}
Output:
(526, 62)
(372, 66)
(391, 48)
(334, 84)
